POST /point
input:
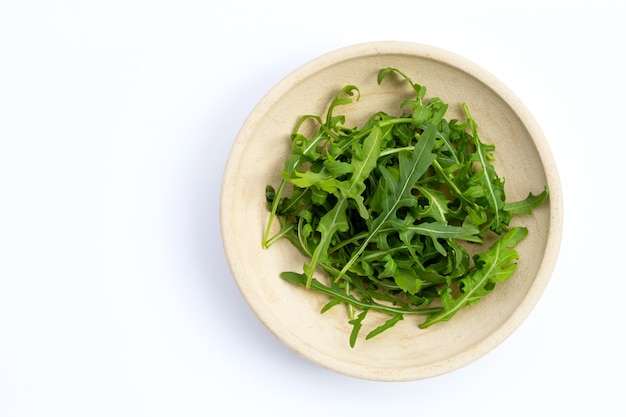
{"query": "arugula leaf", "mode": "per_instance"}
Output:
(333, 221)
(488, 178)
(387, 325)
(362, 166)
(356, 323)
(437, 207)
(527, 205)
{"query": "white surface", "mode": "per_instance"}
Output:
(116, 119)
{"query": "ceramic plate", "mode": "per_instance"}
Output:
(292, 313)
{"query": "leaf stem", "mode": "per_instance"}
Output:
(268, 230)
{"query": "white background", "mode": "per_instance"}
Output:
(116, 119)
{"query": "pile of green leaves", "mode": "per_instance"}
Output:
(389, 210)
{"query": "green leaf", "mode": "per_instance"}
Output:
(408, 280)
(420, 91)
(331, 304)
(390, 266)
(361, 169)
(527, 205)
(437, 207)
(488, 178)
(383, 73)
(356, 323)
(438, 230)
(321, 180)
(333, 221)
(387, 325)
(342, 98)
(338, 168)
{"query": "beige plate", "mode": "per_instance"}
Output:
(293, 314)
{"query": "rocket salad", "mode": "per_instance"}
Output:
(389, 211)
